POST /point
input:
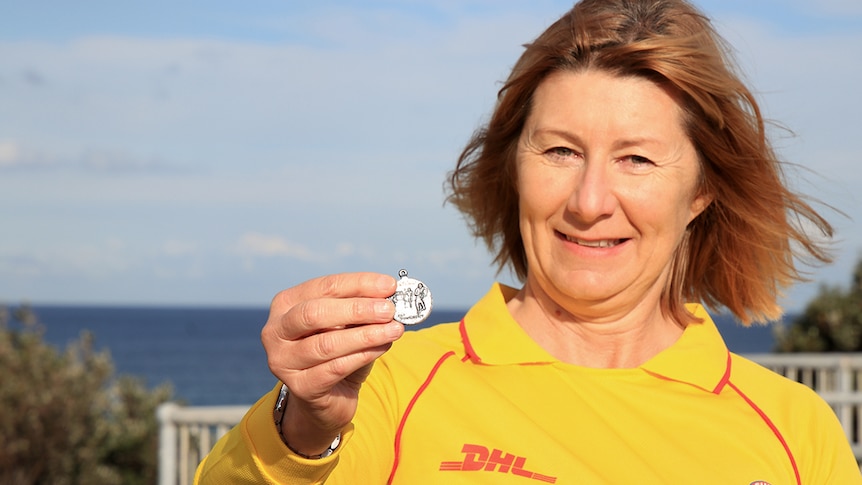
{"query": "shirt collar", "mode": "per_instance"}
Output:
(492, 337)
(699, 357)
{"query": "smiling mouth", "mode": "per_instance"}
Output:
(601, 243)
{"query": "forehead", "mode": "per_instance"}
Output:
(595, 96)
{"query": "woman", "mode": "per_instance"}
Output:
(624, 172)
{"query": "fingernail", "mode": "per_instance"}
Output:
(384, 308)
(385, 283)
(394, 330)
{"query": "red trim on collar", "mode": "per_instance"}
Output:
(725, 378)
(468, 347)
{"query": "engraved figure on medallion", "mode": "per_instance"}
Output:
(412, 300)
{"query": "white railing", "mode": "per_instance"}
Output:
(186, 434)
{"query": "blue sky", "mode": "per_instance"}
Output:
(216, 152)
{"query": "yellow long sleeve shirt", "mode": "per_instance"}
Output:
(480, 402)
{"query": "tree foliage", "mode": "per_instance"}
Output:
(832, 321)
(66, 419)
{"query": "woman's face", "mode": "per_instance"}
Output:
(607, 182)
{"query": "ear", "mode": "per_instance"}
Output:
(699, 204)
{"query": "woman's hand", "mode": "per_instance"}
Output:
(321, 339)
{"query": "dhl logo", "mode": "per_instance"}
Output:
(478, 458)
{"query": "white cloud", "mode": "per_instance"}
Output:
(345, 249)
(18, 156)
(9, 153)
(97, 260)
(179, 248)
(262, 245)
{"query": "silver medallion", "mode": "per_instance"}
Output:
(412, 300)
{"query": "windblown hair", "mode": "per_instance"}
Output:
(741, 252)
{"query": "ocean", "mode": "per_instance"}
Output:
(213, 356)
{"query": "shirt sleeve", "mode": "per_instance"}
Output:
(252, 452)
(827, 456)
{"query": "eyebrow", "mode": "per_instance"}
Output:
(618, 145)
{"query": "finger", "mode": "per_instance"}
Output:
(344, 285)
(311, 317)
(318, 382)
(323, 347)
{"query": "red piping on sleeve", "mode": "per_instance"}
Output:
(410, 408)
(773, 428)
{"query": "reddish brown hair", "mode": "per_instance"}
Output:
(740, 253)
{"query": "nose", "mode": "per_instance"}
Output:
(593, 197)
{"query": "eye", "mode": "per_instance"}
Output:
(638, 160)
(561, 153)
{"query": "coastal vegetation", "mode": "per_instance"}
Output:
(67, 418)
(831, 322)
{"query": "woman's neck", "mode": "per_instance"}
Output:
(593, 338)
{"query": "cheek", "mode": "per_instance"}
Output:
(544, 189)
(656, 209)
(530, 193)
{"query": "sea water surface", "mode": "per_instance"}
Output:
(213, 356)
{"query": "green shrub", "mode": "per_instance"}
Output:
(831, 322)
(66, 419)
